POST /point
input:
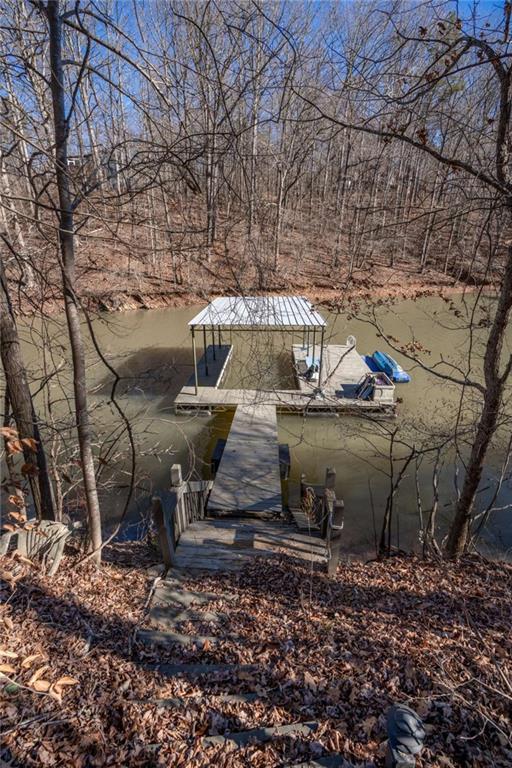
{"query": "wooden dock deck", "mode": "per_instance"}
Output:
(343, 370)
(227, 544)
(248, 478)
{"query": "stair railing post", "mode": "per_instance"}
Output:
(179, 486)
(162, 519)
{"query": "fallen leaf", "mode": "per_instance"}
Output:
(26, 663)
(8, 654)
(37, 674)
(55, 692)
(368, 725)
(41, 685)
(66, 680)
(7, 669)
(30, 443)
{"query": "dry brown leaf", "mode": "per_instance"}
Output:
(26, 663)
(8, 654)
(30, 443)
(41, 685)
(7, 669)
(55, 692)
(37, 674)
(368, 725)
(24, 559)
(66, 680)
(8, 432)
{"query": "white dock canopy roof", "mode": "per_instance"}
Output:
(259, 312)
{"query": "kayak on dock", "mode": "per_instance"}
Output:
(381, 361)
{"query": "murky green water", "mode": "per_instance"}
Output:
(151, 352)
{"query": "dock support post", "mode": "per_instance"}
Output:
(329, 499)
(205, 348)
(213, 343)
(194, 353)
(321, 359)
(334, 528)
(176, 475)
(314, 344)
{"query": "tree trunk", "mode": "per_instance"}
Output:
(494, 388)
(66, 241)
(20, 400)
(279, 210)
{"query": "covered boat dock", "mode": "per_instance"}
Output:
(330, 378)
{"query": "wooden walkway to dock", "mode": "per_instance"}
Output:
(248, 479)
(227, 544)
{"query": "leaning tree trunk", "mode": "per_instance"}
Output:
(495, 384)
(20, 400)
(67, 250)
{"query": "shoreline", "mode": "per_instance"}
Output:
(387, 285)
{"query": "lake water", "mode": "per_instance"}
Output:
(151, 352)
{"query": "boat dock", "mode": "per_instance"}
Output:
(330, 378)
(343, 371)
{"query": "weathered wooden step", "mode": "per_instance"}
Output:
(261, 735)
(196, 564)
(197, 669)
(167, 593)
(329, 761)
(159, 637)
(226, 698)
(164, 616)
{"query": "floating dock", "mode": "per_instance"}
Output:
(342, 373)
(336, 386)
(248, 479)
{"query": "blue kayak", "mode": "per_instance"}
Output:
(390, 367)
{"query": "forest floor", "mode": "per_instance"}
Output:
(381, 283)
(112, 292)
(79, 690)
(122, 274)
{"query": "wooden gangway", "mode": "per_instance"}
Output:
(248, 479)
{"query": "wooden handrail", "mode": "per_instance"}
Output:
(173, 511)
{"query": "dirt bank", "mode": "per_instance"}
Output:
(377, 284)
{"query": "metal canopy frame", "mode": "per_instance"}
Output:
(258, 313)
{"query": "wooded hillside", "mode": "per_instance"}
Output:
(218, 144)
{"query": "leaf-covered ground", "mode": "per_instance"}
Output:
(76, 691)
